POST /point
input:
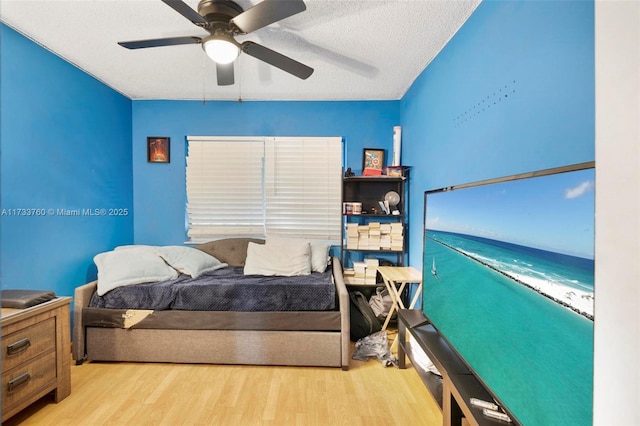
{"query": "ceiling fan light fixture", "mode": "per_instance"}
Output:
(223, 20)
(221, 50)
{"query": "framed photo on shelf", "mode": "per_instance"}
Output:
(372, 161)
(157, 149)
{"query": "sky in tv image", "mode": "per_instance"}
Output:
(554, 212)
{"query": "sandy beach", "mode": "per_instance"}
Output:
(578, 300)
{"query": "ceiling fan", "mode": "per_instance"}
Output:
(224, 19)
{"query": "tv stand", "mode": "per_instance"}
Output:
(454, 390)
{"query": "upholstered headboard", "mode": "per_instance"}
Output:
(232, 251)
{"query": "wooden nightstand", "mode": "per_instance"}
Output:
(36, 354)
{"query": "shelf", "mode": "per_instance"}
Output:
(369, 191)
(436, 348)
(376, 251)
(376, 178)
(364, 285)
(432, 381)
(461, 383)
(373, 215)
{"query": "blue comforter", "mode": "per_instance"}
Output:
(226, 289)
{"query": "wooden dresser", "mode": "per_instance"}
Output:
(36, 354)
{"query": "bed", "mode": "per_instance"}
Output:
(315, 335)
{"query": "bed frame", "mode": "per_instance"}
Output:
(235, 344)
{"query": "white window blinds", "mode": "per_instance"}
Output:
(224, 188)
(254, 187)
(302, 187)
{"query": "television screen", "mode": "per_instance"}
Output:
(509, 283)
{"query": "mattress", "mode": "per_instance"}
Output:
(226, 289)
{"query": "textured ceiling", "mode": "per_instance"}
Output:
(360, 49)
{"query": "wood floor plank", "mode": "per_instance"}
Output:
(193, 394)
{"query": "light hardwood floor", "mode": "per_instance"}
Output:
(192, 394)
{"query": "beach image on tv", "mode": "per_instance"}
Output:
(537, 231)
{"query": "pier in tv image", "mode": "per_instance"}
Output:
(509, 282)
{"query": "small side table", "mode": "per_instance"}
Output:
(395, 279)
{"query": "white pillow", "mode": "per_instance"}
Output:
(281, 256)
(130, 246)
(135, 265)
(189, 260)
(319, 256)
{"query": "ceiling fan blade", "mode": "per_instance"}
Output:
(171, 41)
(225, 74)
(267, 12)
(277, 60)
(183, 9)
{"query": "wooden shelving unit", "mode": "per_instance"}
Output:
(369, 190)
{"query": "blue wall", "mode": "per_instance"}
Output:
(65, 144)
(513, 91)
(159, 189)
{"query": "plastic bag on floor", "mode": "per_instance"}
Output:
(381, 303)
(375, 345)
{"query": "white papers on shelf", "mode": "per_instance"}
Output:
(375, 236)
(363, 272)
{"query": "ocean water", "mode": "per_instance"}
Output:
(568, 280)
(536, 355)
(570, 271)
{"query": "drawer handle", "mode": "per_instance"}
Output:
(19, 346)
(18, 381)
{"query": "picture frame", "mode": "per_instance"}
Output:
(372, 161)
(158, 149)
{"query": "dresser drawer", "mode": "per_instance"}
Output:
(32, 377)
(28, 343)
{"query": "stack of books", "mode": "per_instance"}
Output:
(363, 237)
(352, 236)
(371, 271)
(362, 273)
(385, 236)
(397, 238)
(349, 275)
(375, 236)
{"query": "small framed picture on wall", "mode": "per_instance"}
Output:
(372, 161)
(157, 149)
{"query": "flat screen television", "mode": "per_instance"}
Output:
(509, 283)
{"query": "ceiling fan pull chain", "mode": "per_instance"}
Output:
(204, 78)
(239, 82)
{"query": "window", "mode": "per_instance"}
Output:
(254, 187)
